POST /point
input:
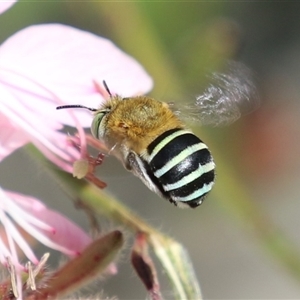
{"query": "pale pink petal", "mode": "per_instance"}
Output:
(28, 96)
(11, 134)
(67, 61)
(5, 5)
(20, 124)
(9, 211)
(11, 137)
(64, 232)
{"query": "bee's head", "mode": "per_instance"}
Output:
(98, 123)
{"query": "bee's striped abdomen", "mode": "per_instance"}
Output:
(181, 167)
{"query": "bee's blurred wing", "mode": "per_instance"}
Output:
(227, 97)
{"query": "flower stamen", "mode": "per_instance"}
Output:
(14, 278)
(34, 271)
(31, 278)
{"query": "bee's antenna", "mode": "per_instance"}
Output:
(75, 106)
(106, 87)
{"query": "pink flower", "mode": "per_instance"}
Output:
(41, 67)
(47, 226)
(44, 66)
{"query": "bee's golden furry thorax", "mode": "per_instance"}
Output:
(137, 121)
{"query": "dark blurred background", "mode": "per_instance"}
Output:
(257, 157)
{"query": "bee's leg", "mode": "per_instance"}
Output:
(140, 168)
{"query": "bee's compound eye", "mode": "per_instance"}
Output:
(98, 126)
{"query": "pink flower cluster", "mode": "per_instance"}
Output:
(41, 67)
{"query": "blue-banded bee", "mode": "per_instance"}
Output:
(155, 145)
